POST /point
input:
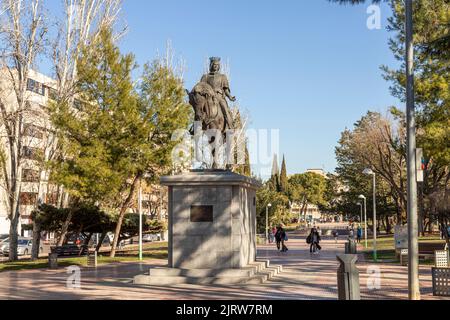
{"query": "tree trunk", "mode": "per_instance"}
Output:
(123, 210)
(303, 210)
(14, 201)
(14, 226)
(88, 239)
(65, 227)
(13, 237)
(36, 241)
(100, 242)
(383, 221)
(388, 225)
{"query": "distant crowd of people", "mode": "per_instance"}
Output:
(351, 232)
(279, 236)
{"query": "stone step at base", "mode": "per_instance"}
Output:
(170, 281)
(260, 265)
(202, 273)
(256, 273)
(270, 272)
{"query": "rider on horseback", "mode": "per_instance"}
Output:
(221, 87)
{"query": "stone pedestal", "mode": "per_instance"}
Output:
(212, 220)
(212, 229)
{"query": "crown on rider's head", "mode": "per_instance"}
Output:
(214, 59)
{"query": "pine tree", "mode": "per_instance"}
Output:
(119, 134)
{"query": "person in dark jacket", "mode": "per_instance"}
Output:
(280, 237)
(315, 240)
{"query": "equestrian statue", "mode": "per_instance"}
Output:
(209, 101)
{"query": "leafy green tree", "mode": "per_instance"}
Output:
(278, 212)
(432, 94)
(274, 181)
(121, 133)
(307, 188)
(432, 77)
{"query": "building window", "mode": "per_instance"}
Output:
(32, 154)
(28, 198)
(52, 94)
(36, 87)
(51, 198)
(33, 131)
(29, 175)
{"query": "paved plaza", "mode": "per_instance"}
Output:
(304, 277)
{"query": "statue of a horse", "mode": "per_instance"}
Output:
(206, 107)
(208, 111)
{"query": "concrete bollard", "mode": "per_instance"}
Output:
(348, 278)
(53, 260)
(92, 260)
(350, 247)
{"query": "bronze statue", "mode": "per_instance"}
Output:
(209, 100)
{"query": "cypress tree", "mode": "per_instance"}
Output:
(283, 177)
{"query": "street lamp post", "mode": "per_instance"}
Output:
(140, 220)
(413, 261)
(267, 222)
(365, 217)
(370, 172)
(361, 212)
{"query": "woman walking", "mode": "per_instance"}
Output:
(314, 240)
(359, 233)
(281, 237)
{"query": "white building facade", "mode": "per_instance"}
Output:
(37, 143)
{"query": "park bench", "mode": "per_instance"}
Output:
(70, 250)
(427, 250)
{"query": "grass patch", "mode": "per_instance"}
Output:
(382, 255)
(291, 228)
(388, 243)
(150, 251)
(386, 249)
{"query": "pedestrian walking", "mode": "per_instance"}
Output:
(336, 236)
(281, 238)
(271, 236)
(351, 234)
(314, 240)
(359, 233)
(284, 238)
(278, 238)
(273, 232)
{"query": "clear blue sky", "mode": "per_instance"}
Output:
(309, 68)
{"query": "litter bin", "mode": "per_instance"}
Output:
(350, 247)
(92, 260)
(53, 260)
(348, 278)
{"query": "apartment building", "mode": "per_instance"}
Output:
(38, 142)
(38, 145)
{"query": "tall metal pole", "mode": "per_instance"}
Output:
(374, 218)
(361, 214)
(365, 221)
(413, 261)
(140, 220)
(267, 224)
